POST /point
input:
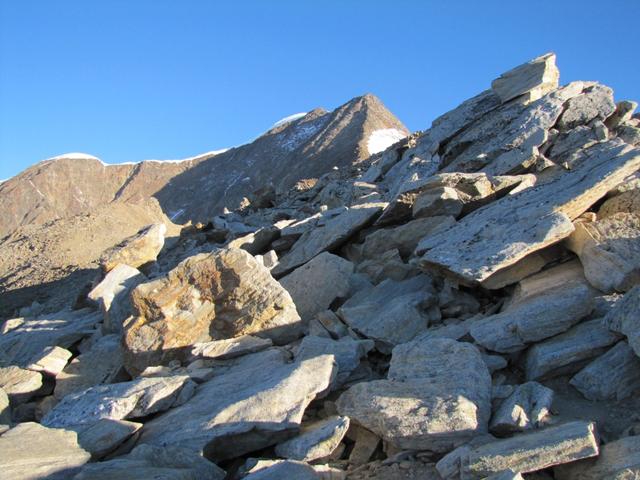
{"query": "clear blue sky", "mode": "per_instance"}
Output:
(128, 80)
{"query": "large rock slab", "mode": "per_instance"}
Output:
(498, 235)
(146, 461)
(316, 441)
(23, 341)
(609, 250)
(437, 396)
(524, 409)
(101, 364)
(223, 294)
(392, 312)
(612, 376)
(538, 315)
(328, 237)
(618, 460)
(30, 451)
(112, 295)
(533, 451)
(566, 353)
(316, 284)
(255, 404)
(136, 250)
(120, 401)
(534, 78)
(624, 318)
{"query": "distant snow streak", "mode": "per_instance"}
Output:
(288, 119)
(380, 140)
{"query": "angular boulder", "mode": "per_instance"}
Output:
(523, 410)
(20, 384)
(210, 296)
(316, 440)
(437, 396)
(136, 250)
(534, 78)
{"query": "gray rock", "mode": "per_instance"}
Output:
(256, 403)
(505, 475)
(627, 202)
(388, 265)
(101, 364)
(596, 102)
(316, 284)
(618, 460)
(523, 410)
(609, 250)
(51, 361)
(612, 376)
(146, 461)
(534, 78)
(231, 347)
(330, 236)
(507, 230)
(137, 250)
(316, 440)
(30, 451)
(437, 396)
(623, 318)
(105, 435)
(566, 149)
(392, 312)
(20, 384)
(629, 134)
(112, 295)
(441, 201)
(494, 362)
(23, 341)
(529, 452)
(449, 465)
(5, 409)
(120, 401)
(366, 443)
(332, 324)
(223, 294)
(280, 469)
(566, 353)
(623, 113)
(256, 242)
(347, 352)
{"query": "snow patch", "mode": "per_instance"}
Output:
(380, 140)
(288, 119)
(75, 156)
(293, 139)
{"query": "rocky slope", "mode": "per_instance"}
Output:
(462, 305)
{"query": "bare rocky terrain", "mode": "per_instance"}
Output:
(462, 304)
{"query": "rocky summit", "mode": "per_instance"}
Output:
(339, 298)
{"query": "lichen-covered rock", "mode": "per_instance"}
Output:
(210, 296)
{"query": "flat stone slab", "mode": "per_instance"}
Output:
(437, 396)
(317, 440)
(498, 235)
(534, 78)
(146, 461)
(529, 452)
(624, 318)
(210, 296)
(52, 361)
(327, 237)
(20, 384)
(255, 404)
(105, 435)
(230, 347)
(30, 451)
(120, 401)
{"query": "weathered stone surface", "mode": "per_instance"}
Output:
(145, 461)
(623, 113)
(231, 347)
(624, 318)
(366, 443)
(612, 376)
(618, 460)
(30, 451)
(626, 202)
(536, 317)
(23, 341)
(137, 250)
(388, 265)
(609, 250)
(256, 403)
(534, 78)
(505, 475)
(346, 350)
(112, 295)
(449, 466)
(314, 285)
(507, 230)
(566, 353)
(51, 361)
(596, 102)
(5, 409)
(441, 201)
(255, 242)
(280, 469)
(101, 364)
(392, 312)
(532, 263)
(20, 384)
(629, 134)
(328, 237)
(213, 296)
(105, 435)
(567, 147)
(316, 440)
(437, 396)
(533, 451)
(404, 238)
(523, 410)
(120, 401)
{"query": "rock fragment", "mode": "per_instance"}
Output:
(316, 441)
(230, 348)
(20, 384)
(534, 78)
(137, 250)
(105, 435)
(52, 361)
(523, 410)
